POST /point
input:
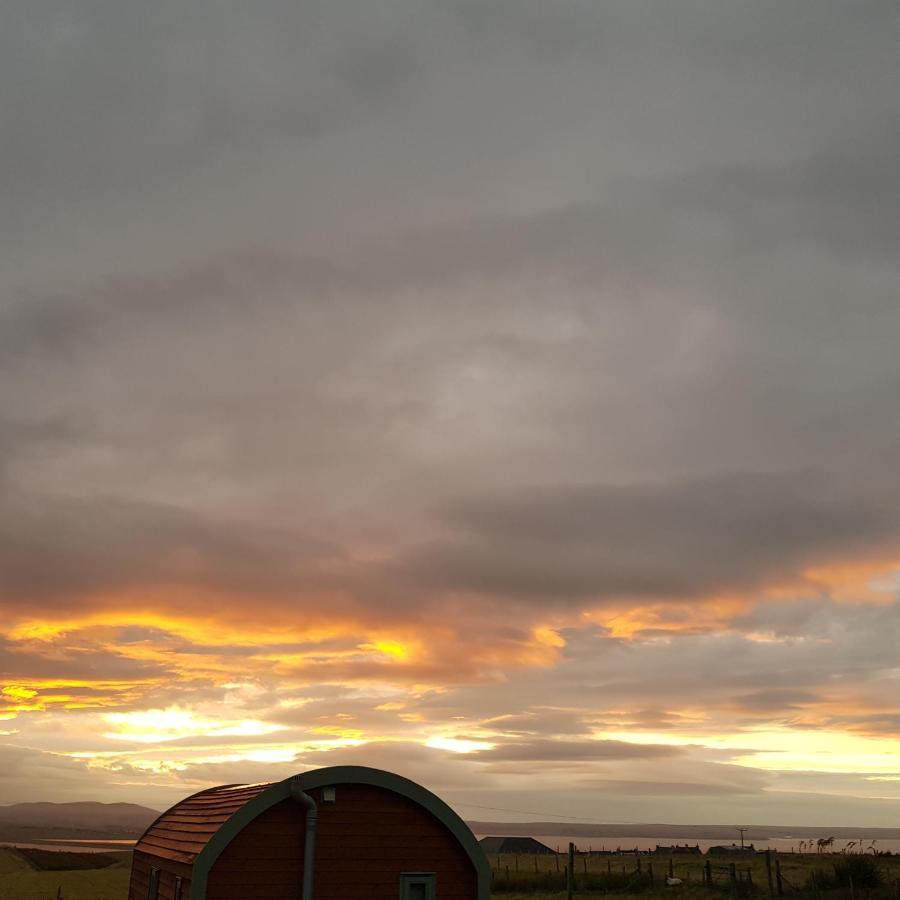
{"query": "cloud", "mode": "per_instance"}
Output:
(542, 749)
(512, 371)
(683, 539)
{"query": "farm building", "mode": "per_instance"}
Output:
(678, 850)
(341, 833)
(732, 850)
(513, 845)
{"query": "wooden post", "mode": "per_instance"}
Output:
(557, 859)
(608, 866)
(516, 860)
(850, 880)
(650, 873)
(671, 867)
(769, 872)
(570, 881)
(707, 873)
(584, 860)
(638, 863)
(732, 880)
(749, 875)
(778, 884)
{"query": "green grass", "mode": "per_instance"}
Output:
(536, 877)
(31, 877)
(20, 880)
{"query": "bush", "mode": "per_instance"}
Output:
(820, 880)
(65, 861)
(862, 871)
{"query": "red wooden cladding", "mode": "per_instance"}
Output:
(140, 878)
(365, 840)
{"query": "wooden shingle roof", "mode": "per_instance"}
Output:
(182, 832)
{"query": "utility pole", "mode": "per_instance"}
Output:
(741, 830)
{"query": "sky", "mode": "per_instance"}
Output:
(499, 393)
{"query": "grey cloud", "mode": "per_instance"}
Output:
(548, 750)
(470, 313)
(211, 81)
(54, 548)
(667, 539)
(671, 788)
(436, 769)
(541, 721)
(776, 700)
(27, 774)
(882, 723)
(63, 661)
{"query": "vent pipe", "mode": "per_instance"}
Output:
(309, 847)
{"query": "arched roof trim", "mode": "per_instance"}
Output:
(335, 776)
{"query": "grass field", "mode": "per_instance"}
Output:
(35, 876)
(813, 876)
(38, 876)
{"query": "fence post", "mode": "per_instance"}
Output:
(778, 881)
(671, 866)
(650, 873)
(707, 873)
(769, 872)
(732, 880)
(570, 869)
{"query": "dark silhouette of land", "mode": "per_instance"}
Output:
(28, 822)
(36, 822)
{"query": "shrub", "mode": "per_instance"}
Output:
(820, 880)
(863, 871)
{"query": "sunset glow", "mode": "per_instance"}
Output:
(504, 396)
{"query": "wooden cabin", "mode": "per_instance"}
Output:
(341, 833)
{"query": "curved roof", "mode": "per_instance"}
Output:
(183, 831)
(197, 830)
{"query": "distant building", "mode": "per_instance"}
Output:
(513, 845)
(732, 850)
(678, 850)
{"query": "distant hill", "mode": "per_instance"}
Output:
(88, 820)
(696, 832)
